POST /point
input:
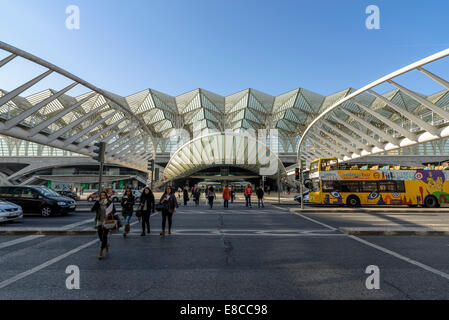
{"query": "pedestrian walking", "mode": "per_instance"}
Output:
(260, 193)
(147, 208)
(232, 194)
(185, 194)
(179, 192)
(206, 193)
(128, 201)
(196, 194)
(104, 210)
(248, 192)
(170, 205)
(211, 196)
(226, 196)
(268, 190)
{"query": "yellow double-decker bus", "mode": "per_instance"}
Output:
(358, 185)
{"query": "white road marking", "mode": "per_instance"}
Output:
(76, 224)
(399, 256)
(310, 219)
(384, 250)
(33, 237)
(29, 272)
(20, 240)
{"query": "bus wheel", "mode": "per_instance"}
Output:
(353, 201)
(431, 202)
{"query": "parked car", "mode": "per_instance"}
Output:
(10, 211)
(118, 197)
(94, 196)
(35, 199)
(306, 197)
(68, 194)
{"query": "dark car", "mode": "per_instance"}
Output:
(69, 194)
(37, 199)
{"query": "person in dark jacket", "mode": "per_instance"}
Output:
(101, 207)
(146, 207)
(185, 194)
(211, 196)
(196, 194)
(171, 203)
(127, 209)
(260, 193)
(232, 194)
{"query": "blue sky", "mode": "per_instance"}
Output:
(226, 46)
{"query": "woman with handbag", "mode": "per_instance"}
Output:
(146, 208)
(127, 209)
(169, 202)
(104, 218)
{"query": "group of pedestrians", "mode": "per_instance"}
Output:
(107, 219)
(228, 195)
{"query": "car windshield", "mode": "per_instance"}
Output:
(48, 192)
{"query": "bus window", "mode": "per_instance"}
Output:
(400, 186)
(368, 186)
(315, 185)
(329, 164)
(387, 186)
(314, 166)
(349, 186)
(329, 186)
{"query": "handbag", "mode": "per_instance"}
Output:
(139, 213)
(160, 206)
(110, 223)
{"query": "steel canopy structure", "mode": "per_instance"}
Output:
(224, 148)
(365, 122)
(347, 125)
(54, 119)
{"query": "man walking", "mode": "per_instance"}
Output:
(260, 194)
(226, 196)
(248, 193)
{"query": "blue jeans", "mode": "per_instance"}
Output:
(127, 219)
(226, 203)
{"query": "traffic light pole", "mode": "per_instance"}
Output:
(279, 186)
(100, 179)
(301, 187)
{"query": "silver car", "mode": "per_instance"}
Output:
(118, 197)
(10, 211)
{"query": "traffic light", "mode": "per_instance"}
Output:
(296, 173)
(99, 150)
(151, 165)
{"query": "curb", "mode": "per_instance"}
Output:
(47, 232)
(367, 210)
(370, 231)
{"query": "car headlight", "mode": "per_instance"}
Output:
(62, 203)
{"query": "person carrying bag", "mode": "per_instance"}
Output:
(128, 208)
(168, 203)
(106, 220)
(146, 208)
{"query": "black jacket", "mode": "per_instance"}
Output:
(128, 205)
(171, 204)
(149, 199)
(259, 193)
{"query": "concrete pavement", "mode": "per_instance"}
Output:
(235, 253)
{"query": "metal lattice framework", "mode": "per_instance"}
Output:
(364, 122)
(74, 124)
(223, 148)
